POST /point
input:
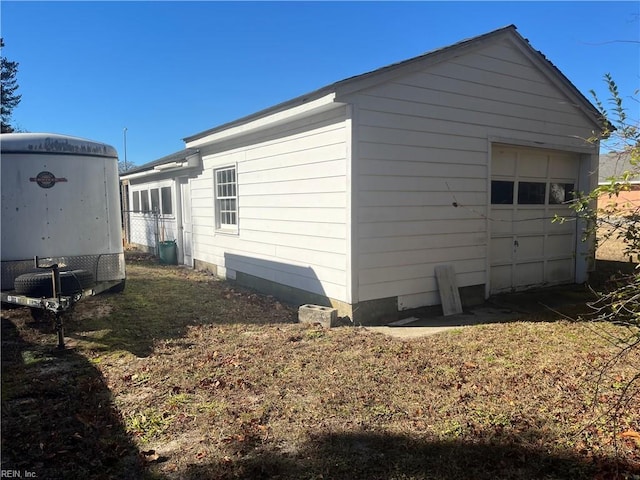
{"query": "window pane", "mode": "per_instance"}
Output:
(136, 201)
(531, 193)
(501, 192)
(144, 201)
(167, 205)
(155, 200)
(560, 193)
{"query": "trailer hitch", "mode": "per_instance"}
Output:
(58, 307)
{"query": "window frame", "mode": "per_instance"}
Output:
(226, 194)
(152, 200)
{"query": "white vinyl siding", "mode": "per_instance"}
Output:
(423, 165)
(291, 203)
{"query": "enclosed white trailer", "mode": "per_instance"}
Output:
(61, 222)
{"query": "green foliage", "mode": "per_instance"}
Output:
(609, 215)
(9, 84)
(605, 206)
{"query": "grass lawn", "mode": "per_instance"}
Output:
(183, 376)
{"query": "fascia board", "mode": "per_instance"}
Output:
(323, 103)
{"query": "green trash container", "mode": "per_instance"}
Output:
(168, 253)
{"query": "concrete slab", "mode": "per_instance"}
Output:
(498, 309)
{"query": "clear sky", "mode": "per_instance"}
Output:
(168, 70)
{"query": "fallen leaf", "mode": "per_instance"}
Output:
(630, 434)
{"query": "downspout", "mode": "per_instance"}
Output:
(179, 222)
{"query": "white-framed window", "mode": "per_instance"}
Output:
(157, 200)
(226, 198)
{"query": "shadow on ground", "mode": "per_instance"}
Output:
(381, 455)
(58, 417)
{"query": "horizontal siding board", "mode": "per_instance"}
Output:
(305, 156)
(454, 107)
(493, 64)
(332, 184)
(309, 242)
(296, 214)
(372, 245)
(277, 269)
(329, 135)
(331, 260)
(408, 153)
(430, 227)
(388, 275)
(328, 168)
(330, 200)
(320, 230)
(400, 287)
(442, 254)
(502, 80)
(420, 169)
(393, 136)
(427, 82)
(413, 183)
(424, 200)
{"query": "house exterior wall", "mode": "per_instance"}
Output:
(423, 143)
(292, 206)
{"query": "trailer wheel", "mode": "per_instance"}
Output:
(39, 284)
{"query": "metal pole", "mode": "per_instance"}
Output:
(124, 133)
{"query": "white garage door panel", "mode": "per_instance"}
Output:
(560, 271)
(527, 247)
(501, 278)
(502, 250)
(562, 245)
(529, 274)
(502, 221)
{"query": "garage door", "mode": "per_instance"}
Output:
(529, 187)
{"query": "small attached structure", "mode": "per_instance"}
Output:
(351, 195)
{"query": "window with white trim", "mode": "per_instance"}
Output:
(226, 198)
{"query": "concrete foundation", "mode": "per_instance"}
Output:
(381, 311)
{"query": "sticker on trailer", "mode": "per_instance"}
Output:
(46, 179)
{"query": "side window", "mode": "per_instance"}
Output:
(560, 193)
(226, 198)
(167, 206)
(136, 201)
(501, 192)
(155, 200)
(531, 193)
(144, 201)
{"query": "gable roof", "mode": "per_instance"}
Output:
(368, 79)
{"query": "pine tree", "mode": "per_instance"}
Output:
(9, 84)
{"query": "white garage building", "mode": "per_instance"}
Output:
(351, 195)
